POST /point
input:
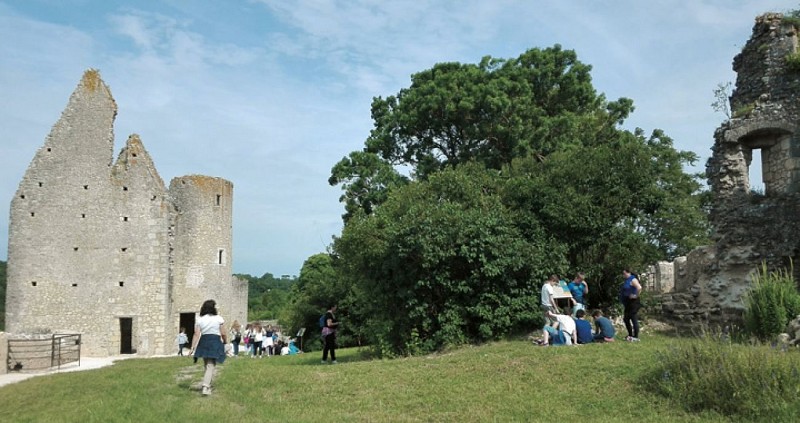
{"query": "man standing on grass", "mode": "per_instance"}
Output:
(329, 335)
(579, 289)
(548, 301)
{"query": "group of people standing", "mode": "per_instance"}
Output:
(571, 329)
(258, 340)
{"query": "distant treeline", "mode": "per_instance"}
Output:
(267, 295)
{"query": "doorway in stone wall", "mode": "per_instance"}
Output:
(187, 321)
(126, 335)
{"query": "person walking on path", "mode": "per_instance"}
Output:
(629, 297)
(182, 340)
(329, 335)
(209, 339)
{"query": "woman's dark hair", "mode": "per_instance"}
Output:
(209, 307)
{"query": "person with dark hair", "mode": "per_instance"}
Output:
(604, 329)
(629, 297)
(208, 342)
(182, 340)
(583, 328)
(236, 335)
(579, 289)
(329, 335)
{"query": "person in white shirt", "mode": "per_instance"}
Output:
(548, 302)
(208, 342)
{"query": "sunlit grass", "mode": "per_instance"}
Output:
(502, 381)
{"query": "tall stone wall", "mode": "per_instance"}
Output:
(750, 228)
(100, 247)
(202, 246)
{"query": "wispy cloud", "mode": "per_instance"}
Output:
(270, 94)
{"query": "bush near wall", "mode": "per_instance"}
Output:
(771, 303)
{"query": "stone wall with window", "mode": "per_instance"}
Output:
(749, 227)
(100, 247)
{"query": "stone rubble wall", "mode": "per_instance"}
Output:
(749, 228)
(3, 353)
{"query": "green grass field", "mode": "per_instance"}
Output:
(509, 381)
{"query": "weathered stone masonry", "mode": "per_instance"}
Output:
(749, 228)
(102, 248)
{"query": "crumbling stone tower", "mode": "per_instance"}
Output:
(749, 227)
(102, 248)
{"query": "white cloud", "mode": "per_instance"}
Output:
(275, 109)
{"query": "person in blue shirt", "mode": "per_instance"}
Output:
(629, 297)
(579, 290)
(583, 328)
(604, 328)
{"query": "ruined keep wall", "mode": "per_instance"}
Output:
(84, 235)
(749, 228)
(93, 242)
(202, 247)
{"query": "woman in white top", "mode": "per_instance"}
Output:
(208, 342)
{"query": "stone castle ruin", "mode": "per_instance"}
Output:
(102, 248)
(750, 228)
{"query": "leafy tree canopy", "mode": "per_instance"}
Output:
(491, 113)
(518, 169)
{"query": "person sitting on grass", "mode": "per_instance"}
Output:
(563, 325)
(552, 336)
(604, 328)
(583, 328)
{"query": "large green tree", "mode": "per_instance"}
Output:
(318, 287)
(445, 262)
(517, 168)
(491, 113)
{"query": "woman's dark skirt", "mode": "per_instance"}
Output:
(210, 346)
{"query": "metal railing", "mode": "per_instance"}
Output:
(44, 353)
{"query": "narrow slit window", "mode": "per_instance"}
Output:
(33, 283)
(124, 218)
(41, 184)
(220, 255)
(121, 283)
(74, 284)
(83, 215)
(86, 187)
(219, 197)
(33, 214)
(74, 248)
(124, 188)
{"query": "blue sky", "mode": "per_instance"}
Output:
(270, 94)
